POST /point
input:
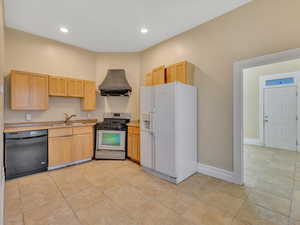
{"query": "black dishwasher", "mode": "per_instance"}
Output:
(26, 153)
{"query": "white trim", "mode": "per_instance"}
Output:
(253, 141)
(218, 173)
(238, 133)
(69, 164)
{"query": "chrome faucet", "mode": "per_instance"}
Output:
(68, 117)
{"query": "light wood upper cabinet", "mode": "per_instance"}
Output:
(133, 143)
(89, 100)
(148, 79)
(57, 86)
(75, 88)
(39, 92)
(29, 91)
(158, 75)
(179, 72)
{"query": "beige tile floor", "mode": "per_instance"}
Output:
(121, 193)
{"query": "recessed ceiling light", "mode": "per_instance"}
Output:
(64, 29)
(144, 30)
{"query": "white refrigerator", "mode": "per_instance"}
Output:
(169, 130)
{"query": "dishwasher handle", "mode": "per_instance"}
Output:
(26, 141)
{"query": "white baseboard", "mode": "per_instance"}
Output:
(253, 141)
(218, 173)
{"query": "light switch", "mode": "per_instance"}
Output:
(28, 116)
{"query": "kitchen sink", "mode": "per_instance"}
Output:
(59, 125)
(77, 124)
(67, 124)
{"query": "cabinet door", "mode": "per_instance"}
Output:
(39, 92)
(28, 91)
(59, 150)
(75, 88)
(57, 86)
(171, 74)
(148, 79)
(158, 75)
(20, 90)
(134, 144)
(181, 72)
(164, 128)
(89, 100)
(134, 147)
(130, 145)
(82, 147)
(138, 153)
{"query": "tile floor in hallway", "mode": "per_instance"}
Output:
(121, 193)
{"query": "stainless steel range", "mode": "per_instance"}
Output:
(111, 136)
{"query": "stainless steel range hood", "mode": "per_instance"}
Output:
(115, 84)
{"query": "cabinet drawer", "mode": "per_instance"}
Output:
(82, 130)
(60, 132)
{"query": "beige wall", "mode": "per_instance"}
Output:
(36, 54)
(1, 109)
(32, 53)
(251, 92)
(258, 28)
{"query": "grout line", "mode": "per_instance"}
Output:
(66, 201)
(292, 193)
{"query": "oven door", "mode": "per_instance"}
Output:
(111, 140)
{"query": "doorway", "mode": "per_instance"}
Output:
(270, 163)
(238, 106)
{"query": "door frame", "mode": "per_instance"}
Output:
(238, 95)
(262, 86)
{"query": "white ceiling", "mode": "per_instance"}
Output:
(113, 25)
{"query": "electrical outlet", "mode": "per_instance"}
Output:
(88, 115)
(28, 116)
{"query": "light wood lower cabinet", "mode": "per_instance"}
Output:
(66, 145)
(59, 150)
(82, 143)
(133, 146)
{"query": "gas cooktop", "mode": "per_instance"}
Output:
(114, 121)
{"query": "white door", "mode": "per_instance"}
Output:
(164, 129)
(147, 141)
(280, 117)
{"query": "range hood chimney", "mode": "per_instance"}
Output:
(115, 84)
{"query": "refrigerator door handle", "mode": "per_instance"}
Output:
(151, 122)
(153, 151)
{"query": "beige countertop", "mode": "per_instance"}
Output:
(16, 127)
(134, 123)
